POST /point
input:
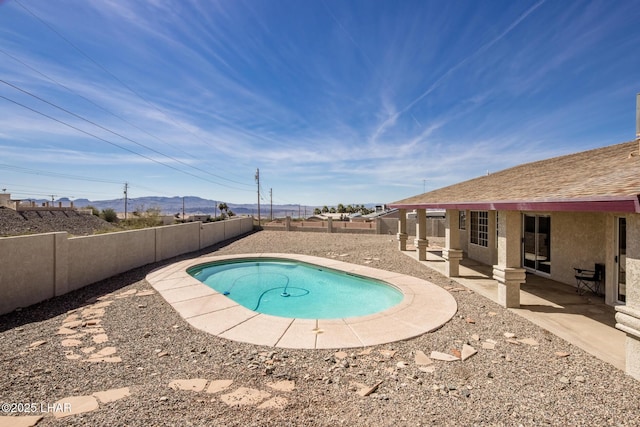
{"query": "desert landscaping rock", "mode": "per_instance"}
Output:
(467, 352)
(485, 390)
(422, 359)
(437, 355)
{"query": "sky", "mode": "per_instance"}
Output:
(334, 101)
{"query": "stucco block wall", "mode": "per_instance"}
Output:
(578, 239)
(212, 233)
(38, 267)
(178, 239)
(93, 258)
(34, 280)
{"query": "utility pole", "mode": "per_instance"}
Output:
(271, 201)
(126, 202)
(182, 208)
(258, 182)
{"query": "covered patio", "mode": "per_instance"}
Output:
(583, 320)
(532, 225)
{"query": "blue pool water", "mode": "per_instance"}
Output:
(295, 289)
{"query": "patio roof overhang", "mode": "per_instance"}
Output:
(619, 204)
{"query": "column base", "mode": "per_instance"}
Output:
(628, 321)
(452, 259)
(509, 281)
(402, 241)
(421, 248)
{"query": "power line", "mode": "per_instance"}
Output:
(116, 145)
(108, 72)
(20, 169)
(104, 128)
(55, 174)
(114, 115)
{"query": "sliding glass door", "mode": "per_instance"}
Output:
(537, 243)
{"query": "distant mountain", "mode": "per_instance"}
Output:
(193, 205)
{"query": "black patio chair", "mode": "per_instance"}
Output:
(589, 279)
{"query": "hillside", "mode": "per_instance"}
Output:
(14, 223)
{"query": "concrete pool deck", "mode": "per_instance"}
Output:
(424, 308)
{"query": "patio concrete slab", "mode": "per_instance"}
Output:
(187, 293)
(212, 312)
(202, 305)
(582, 320)
(302, 333)
(261, 329)
(219, 321)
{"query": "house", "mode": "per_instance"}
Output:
(547, 218)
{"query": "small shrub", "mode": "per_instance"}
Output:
(109, 215)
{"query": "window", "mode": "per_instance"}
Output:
(480, 228)
(462, 220)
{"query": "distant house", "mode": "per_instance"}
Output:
(547, 218)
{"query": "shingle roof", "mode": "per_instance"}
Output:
(603, 179)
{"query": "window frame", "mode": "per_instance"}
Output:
(479, 228)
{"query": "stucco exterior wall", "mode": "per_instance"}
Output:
(578, 239)
(484, 254)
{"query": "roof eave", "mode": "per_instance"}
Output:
(621, 204)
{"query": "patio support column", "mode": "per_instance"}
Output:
(452, 253)
(402, 229)
(628, 316)
(508, 272)
(421, 241)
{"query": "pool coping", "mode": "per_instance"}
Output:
(424, 308)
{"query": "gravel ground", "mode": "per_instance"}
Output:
(14, 223)
(551, 383)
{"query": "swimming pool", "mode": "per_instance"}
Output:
(296, 289)
(424, 307)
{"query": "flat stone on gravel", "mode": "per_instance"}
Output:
(437, 355)
(37, 344)
(112, 395)
(21, 421)
(467, 352)
(245, 396)
(196, 384)
(529, 341)
(276, 402)
(100, 338)
(75, 405)
(285, 385)
(422, 359)
(218, 385)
